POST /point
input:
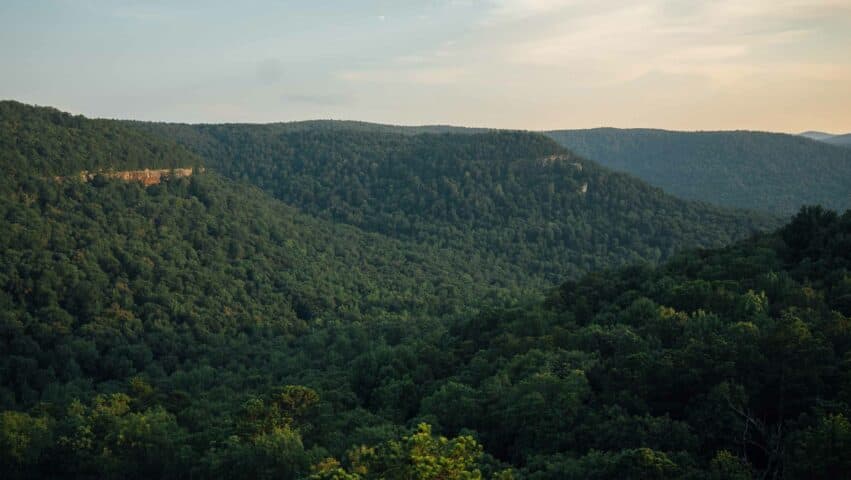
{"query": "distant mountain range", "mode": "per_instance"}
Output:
(509, 197)
(764, 171)
(254, 301)
(816, 135)
(843, 139)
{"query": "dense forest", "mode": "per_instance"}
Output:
(46, 141)
(843, 140)
(504, 196)
(203, 328)
(762, 171)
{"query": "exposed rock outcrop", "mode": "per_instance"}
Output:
(147, 177)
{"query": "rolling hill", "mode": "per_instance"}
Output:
(815, 135)
(763, 171)
(842, 140)
(138, 185)
(45, 141)
(198, 327)
(501, 196)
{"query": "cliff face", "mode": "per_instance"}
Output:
(146, 177)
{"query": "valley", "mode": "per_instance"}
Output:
(338, 300)
(425, 240)
(761, 171)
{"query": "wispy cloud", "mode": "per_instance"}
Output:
(142, 15)
(270, 70)
(416, 75)
(322, 99)
(625, 41)
(778, 64)
(513, 10)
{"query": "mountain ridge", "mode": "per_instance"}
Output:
(204, 327)
(746, 169)
(843, 139)
(424, 186)
(816, 135)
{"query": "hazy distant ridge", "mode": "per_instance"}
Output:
(765, 171)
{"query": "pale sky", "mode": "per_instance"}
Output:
(777, 65)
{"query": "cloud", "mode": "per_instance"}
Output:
(142, 16)
(270, 71)
(529, 55)
(142, 12)
(521, 63)
(513, 10)
(722, 40)
(795, 9)
(537, 62)
(437, 75)
(324, 99)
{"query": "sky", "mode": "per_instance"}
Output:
(775, 65)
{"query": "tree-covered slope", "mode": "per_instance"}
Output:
(198, 282)
(193, 281)
(762, 171)
(843, 140)
(200, 328)
(728, 363)
(45, 141)
(501, 196)
(220, 253)
(194, 130)
(720, 364)
(816, 135)
(120, 361)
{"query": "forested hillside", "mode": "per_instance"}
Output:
(202, 328)
(761, 171)
(45, 141)
(502, 196)
(843, 140)
(198, 280)
(816, 135)
(136, 347)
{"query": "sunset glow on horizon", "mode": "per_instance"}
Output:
(780, 65)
